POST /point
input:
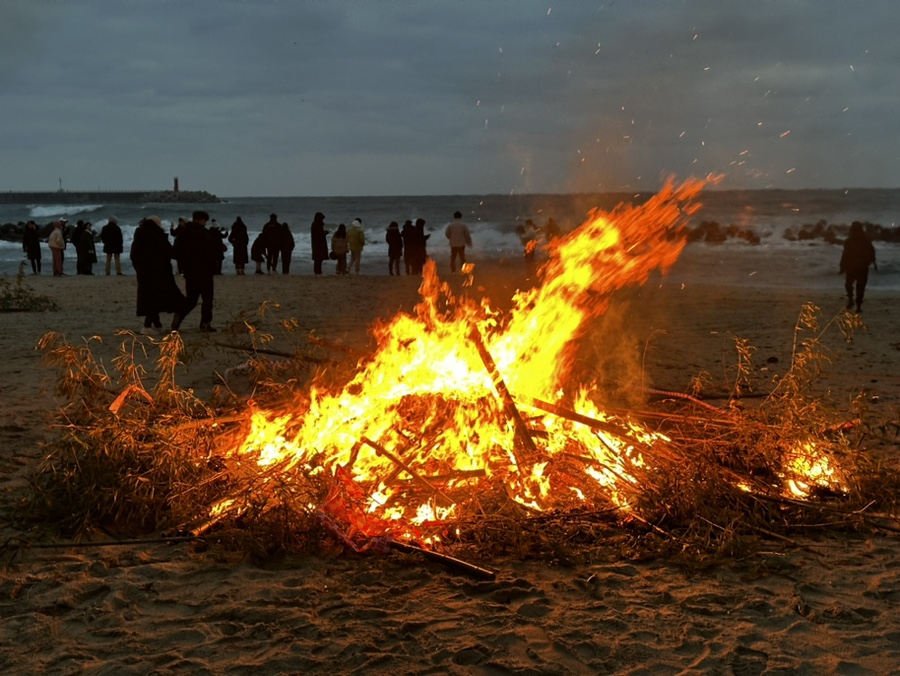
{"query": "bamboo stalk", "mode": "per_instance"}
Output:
(382, 451)
(509, 403)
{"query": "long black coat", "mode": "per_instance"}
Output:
(195, 250)
(111, 236)
(318, 237)
(151, 255)
(31, 244)
(239, 240)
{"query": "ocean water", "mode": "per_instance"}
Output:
(774, 262)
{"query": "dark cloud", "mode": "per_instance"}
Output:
(258, 97)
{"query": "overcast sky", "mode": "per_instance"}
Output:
(383, 97)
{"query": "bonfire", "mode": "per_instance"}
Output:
(462, 414)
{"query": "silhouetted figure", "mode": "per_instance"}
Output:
(318, 239)
(87, 252)
(194, 250)
(458, 235)
(111, 236)
(408, 235)
(239, 240)
(286, 243)
(258, 253)
(31, 245)
(340, 249)
(151, 255)
(528, 237)
(272, 238)
(420, 247)
(857, 256)
(217, 238)
(75, 238)
(395, 247)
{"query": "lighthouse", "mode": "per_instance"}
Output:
(176, 185)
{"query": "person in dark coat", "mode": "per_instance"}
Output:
(194, 250)
(111, 236)
(87, 252)
(286, 241)
(272, 237)
(857, 256)
(420, 247)
(239, 240)
(258, 253)
(395, 247)
(408, 235)
(318, 237)
(151, 255)
(218, 237)
(31, 245)
(75, 239)
(176, 230)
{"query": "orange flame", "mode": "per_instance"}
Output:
(426, 404)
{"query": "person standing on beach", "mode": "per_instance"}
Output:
(239, 240)
(339, 250)
(858, 254)
(420, 247)
(31, 245)
(111, 236)
(151, 255)
(395, 247)
(459, 236)
(218, 237)
(87, 252)
(57, 243)
(356, 240)
(286, 242)
(258, 253)
(271, 232)
(408, 235)
(194, 250)
(175, 231)
(318, 240)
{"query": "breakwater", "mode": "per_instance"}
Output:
(109, 197)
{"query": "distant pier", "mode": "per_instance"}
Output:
(108, 197)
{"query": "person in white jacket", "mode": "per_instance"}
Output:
(459, 236)
(57, 243)
(356, 240)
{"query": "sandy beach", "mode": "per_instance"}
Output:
(829, 606)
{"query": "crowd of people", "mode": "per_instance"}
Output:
(199, 252)
(198, 247)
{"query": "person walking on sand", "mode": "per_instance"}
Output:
(395, 247)
(356, 240)
(239, 239)
(31, 245)
(459, 236)
(111, 236)
(318, 240)
(858, 254)
(339, 250)
(57, 243)
(151, 255)
(286, 242)
(194, 250)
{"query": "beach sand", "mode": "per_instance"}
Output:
(828, 607)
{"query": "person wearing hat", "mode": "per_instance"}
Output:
(57, 243)
(111, 236)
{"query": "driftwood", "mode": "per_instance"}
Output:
(449, 561)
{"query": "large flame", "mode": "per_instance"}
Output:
(454, 399)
